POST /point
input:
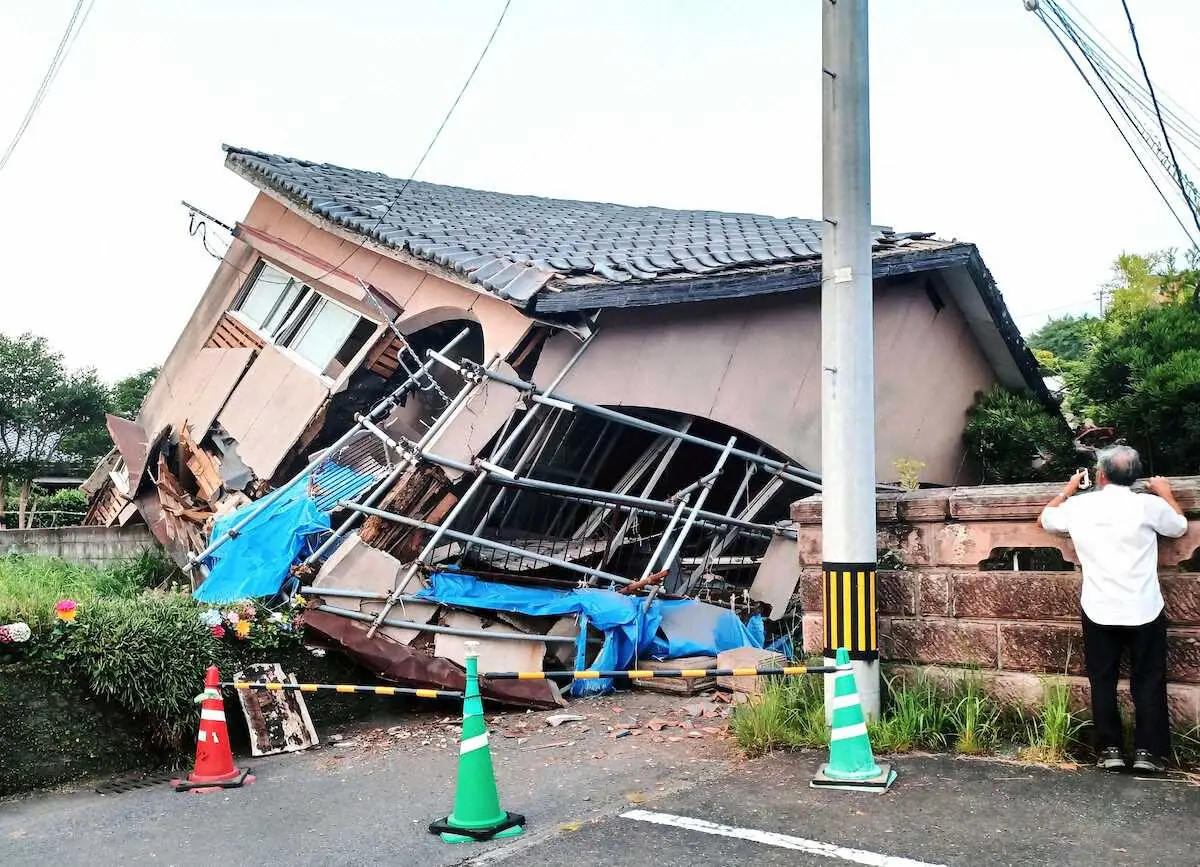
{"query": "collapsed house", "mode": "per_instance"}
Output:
(570, 430)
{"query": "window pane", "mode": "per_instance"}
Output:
(269, 284)
(323, 334)
(275, 317)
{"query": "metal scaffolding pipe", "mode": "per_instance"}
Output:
(352, 593)
(501, 449)
(659, 507)
(450, 630)
(790, 471)
(383, 406)
(651, 507)
(403, 464)
(487, 543)
(707, 486)
(662, 542)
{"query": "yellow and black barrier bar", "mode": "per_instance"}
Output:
(344, 688)
(635, 674)
(850, 614)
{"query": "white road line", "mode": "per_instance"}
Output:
(780, 841)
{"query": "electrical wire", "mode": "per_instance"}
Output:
(60, 55)
(429, 147)
(1132, 149)
(1110, 73)
(1158, 113)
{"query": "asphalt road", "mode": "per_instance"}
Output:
(369, 804)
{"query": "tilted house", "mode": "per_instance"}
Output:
(339, 282)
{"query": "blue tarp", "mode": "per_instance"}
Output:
(256, 562)
(668, 629)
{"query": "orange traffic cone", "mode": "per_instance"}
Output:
(214, 760)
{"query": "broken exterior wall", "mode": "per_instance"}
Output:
(273, 231)
(942, 609)
(755, 365)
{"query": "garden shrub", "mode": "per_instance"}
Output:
(147, 654)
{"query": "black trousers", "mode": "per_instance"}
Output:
(1103, 647)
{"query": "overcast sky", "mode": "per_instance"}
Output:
(981, 131)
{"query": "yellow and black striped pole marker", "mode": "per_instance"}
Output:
(344, 688)
(850, 615)
(635, 674)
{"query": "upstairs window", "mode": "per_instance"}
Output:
(290, 314)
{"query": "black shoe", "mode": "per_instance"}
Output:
(1144, 760)
(1111, 759)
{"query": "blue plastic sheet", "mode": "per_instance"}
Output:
(257, 561)
(664, 630)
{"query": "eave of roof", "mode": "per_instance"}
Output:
(513, 246)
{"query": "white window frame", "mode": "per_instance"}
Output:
(297, 327)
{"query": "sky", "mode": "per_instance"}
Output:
(980, 130)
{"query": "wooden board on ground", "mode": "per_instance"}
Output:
(679, 685)
(747, 657)
(278, 721)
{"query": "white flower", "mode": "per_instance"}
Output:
(210, 618)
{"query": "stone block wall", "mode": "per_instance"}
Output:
(956, 602)
(90, 546)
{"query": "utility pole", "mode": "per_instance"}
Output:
(847, 352)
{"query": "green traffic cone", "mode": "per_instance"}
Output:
(477, 814)
(851, 762)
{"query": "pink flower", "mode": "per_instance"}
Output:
(65, 610)
(231, 617)
(218, 631)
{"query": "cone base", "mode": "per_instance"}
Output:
(203, 785)
(879, 784)
(513, 825)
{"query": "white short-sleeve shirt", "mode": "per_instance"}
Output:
(1115, 532)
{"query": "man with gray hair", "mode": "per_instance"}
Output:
(1115, 532)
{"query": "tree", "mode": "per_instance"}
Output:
(129, 393)
(1017, 439)
(1143, 378)
(1067, 338)
(49, 416)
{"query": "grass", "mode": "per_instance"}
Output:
(920, 716)
(31, 586)
(1051, 734)
(789, 714)
(976, 720)
(923, 714)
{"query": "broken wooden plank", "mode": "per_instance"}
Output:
(278, 720)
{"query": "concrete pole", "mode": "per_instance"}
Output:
(847, 357)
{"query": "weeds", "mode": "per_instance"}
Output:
(920, 716)
(976, 721)
(790, 713)
(1051, 734)
(1186, 748)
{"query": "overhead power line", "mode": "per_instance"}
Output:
(60, 55)
(1183, 186)
(437, 134)
(1135, 103)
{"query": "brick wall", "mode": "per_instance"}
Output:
(946, 612)
(93, 546)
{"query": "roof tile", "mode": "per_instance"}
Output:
(514, 245)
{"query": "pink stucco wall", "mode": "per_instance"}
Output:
(755, 365)
(278, 234)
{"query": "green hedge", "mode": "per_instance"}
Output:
(114, 688)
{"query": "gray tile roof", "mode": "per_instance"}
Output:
(513, 246)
